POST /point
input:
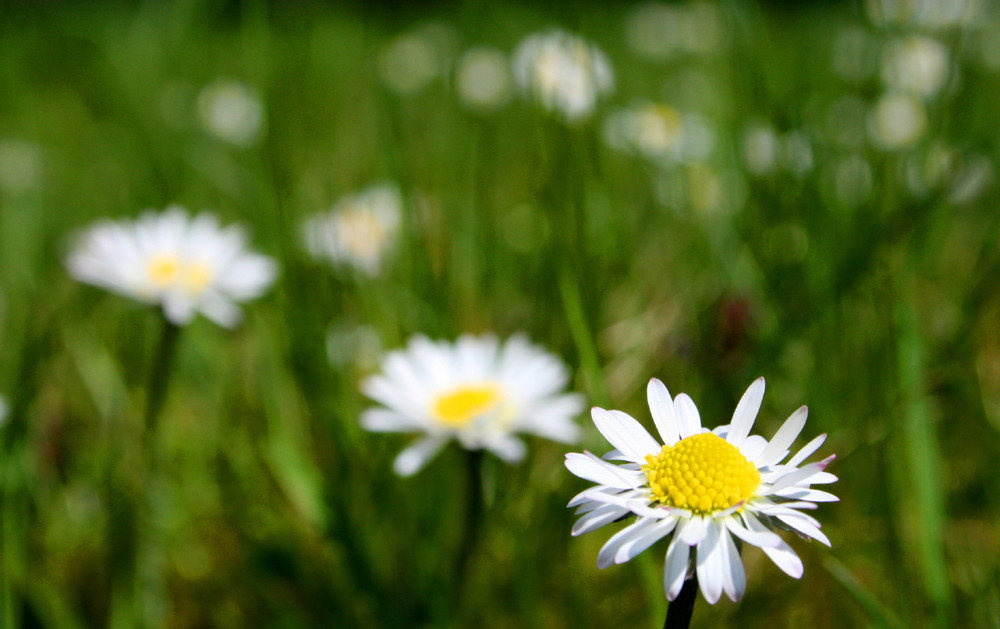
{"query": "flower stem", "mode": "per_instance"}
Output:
(159, 376)
(679, 612)
(473, 518)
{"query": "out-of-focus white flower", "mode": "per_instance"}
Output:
(658, 31)
(917, 65)
(410, 61)
(897, 121)
(185, 264)
(353, 345)
(358, 230)
(924, 13)
(232, 111)
(476, 391)
(760, 149)
(482, 79)
(704, 489)
(20, 166)
(563, 72)
(659, 132)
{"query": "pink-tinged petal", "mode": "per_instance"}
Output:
(625, 434)
(735, 582)
(604, 514)
(806, 451)
(693, 531)
(746, 413)
(784, 438)
(708, 562)
(800, 475)
(688, 418)
(676, 567)
(661, 406)
(589, 467)
(761, 539)
(413, 458)
(805, 527)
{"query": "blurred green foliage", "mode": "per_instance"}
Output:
(860, 278)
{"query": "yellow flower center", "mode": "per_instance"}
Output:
(458, 407)
(702, 473)
(163, 270)
(197, 277)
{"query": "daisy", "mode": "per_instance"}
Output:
(358, 230)
(566, 74)
(702, 488)
(476, 391)
(185, 264)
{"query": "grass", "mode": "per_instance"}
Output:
(261, 501)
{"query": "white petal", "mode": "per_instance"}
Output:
(693, 531)
(823, 478)
(807, 450)
(752, 447)
(734, 583)
(784, 438)
(799, 475)
(804, 493)
(805, 527)
(414, 457)
(606, 556)
(640, 507)
(661, 406)
(636, 545)
(688, 419)
(760, 539)
(675, 569)
(782, 555)
(384, 420)
(510, 449)
(708, 563)
(746, 413)
(625, 434)
(597, 518)
(589, 467)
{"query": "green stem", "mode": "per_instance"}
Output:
(680, 611)
(474, 508)
(159, 377)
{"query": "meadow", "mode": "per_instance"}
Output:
(804, 192)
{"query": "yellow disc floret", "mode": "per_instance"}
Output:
(457, 407)
(702, 473)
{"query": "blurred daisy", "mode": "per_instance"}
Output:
(897, 121)
(563, 72)
(186, 264)
(482, 79)
(918, 65)
(358, 230)
(232, 111)
(702, 488)
(476, 391)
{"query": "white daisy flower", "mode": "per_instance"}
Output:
(232, 111)
(566, 74)
(703, 488)
(358, 230)
(476, 391)
(186, 264)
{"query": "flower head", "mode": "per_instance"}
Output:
(232, 111)
(186, 264)
(563, 72)
(476, 391)
(358, 230)
(702, 488)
